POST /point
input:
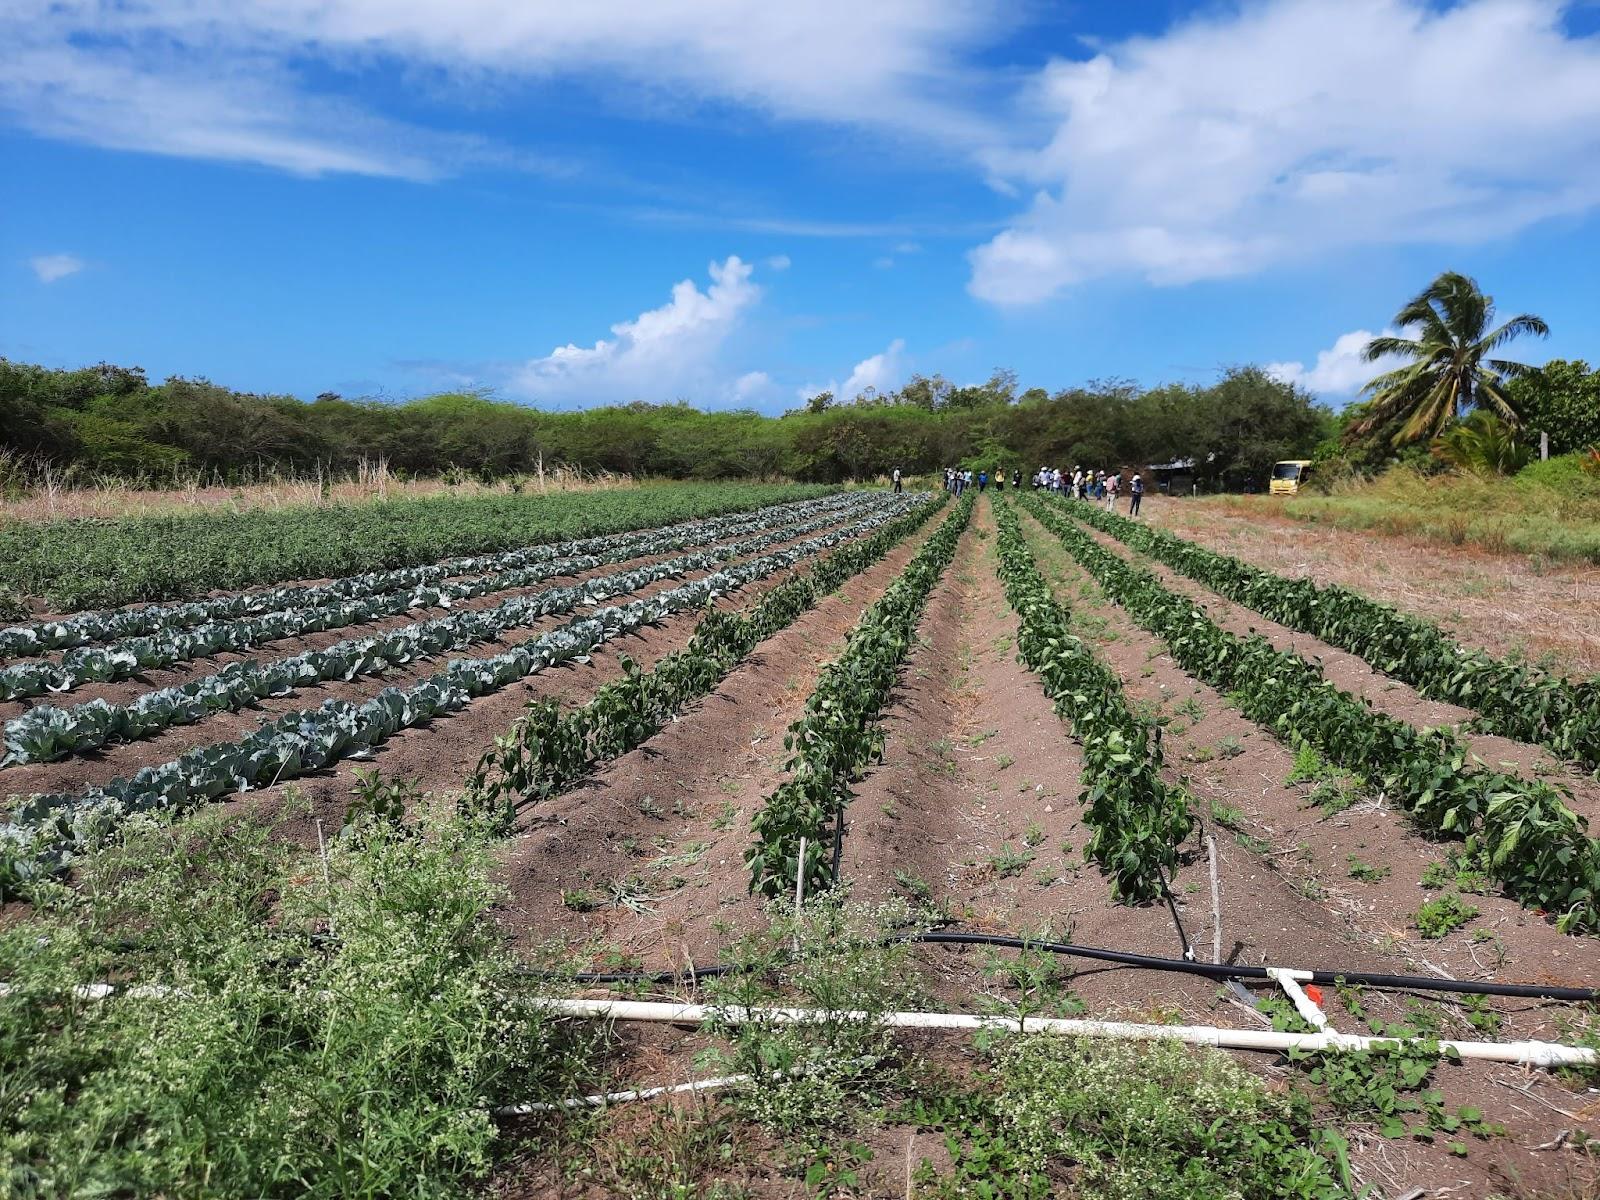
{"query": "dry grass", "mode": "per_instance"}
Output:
(1554, 517)
(51, 496)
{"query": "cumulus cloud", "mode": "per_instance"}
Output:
(659, 355)
(259, 80)
(1340, 370)
(1288, 128)
(752, 388)
(51, 267)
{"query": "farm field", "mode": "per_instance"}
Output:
(339, 848)
(1509, 603)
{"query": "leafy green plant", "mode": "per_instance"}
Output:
(313, 1039)
(838, 735)
(1522, 833)
(1443, 915)
(1138, 821)
(1365, 872)
(1514, 699)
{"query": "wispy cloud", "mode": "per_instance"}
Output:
(230, 79)
(51, 267)
(1271, 132)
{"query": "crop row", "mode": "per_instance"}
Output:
(46, 831)
(45, 733)
(547, 750)
(838, 735)
(1138, 821)
(81, 629)
(1520, 833)
(1516, 700)
(362, 599)
(82, 564)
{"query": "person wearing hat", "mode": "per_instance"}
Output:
(1135, 494)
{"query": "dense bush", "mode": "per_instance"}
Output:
(111, 420)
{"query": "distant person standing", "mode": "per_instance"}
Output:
(1000, 480)
(983, 480)
(1016, 480)
(1135, 494)
(896, 477)
(1112, 483)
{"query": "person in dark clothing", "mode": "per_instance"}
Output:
(1135, 494)
(1016, 481)
(897, 481)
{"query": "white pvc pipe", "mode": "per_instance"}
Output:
(1289, 981)
(601, 1099)
(1542, 1054)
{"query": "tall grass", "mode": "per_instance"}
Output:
(33, 489)
(1550, 510)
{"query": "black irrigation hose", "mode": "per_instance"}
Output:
(1218, 971)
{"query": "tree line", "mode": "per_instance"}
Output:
(111, 421)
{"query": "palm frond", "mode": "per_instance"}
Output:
(1398, 347)
(1492, 398)
(1524, 324)
(1509, 370)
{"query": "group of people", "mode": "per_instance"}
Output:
(1084, 485)
(1091, 485)
(959, 479)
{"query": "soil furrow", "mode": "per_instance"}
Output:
(675, 813)
(1355, 675)
(1501, 603)
(1285, 835)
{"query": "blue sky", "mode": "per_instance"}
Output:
(739, 203)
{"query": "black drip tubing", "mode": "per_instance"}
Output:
(1149, 962)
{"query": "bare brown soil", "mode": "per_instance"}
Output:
(674, 815)
(1289, 897)
(1353, 674)
(1506, 604)
(975, 809)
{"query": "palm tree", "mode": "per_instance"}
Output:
(1449, 371)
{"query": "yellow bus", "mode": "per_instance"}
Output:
(1288, 476)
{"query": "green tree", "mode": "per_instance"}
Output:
(1562, 399)
(1451, 370)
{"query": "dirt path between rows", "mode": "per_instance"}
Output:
(976, 805)
(1289, 898)
(1355, 675)
(669, 822)
(1506, 604)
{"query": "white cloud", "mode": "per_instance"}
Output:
(1283, 129)
(659, 355)
(1340, 370)
(51, 267)
(881, 372)
(753, 387)
(230, 79)
(779, 262)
